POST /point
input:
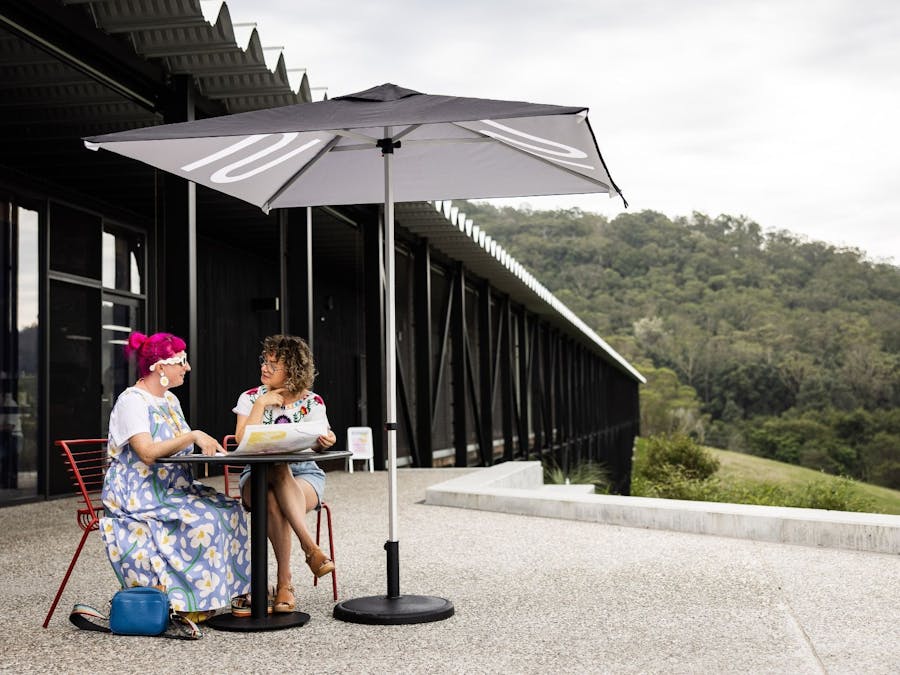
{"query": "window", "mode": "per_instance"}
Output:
(18, 354)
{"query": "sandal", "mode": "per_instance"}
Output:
(199, 616)
(284, 599)
(240, 605)
(319, 563)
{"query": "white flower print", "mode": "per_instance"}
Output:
(162, 472)
(133, 578)
(157, 564)
(200, 535)
(166, 543)
(115, 553)
(212, 555)
(142, 469)
(208, 583)
(141, 559)
(188, 516)
(139, 533)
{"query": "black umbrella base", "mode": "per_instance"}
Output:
(403, 609)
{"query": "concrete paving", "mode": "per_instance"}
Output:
(532, 595)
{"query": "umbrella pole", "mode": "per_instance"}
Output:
(392, 545)
(392, 608)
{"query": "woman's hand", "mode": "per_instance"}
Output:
(208, 445)
(274, 397)
(325, 441)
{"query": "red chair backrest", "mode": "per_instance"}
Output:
(232, 471)
(87, 460)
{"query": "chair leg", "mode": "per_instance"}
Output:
(65, 580)
(330, 547)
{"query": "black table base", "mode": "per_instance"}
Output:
(247, 624)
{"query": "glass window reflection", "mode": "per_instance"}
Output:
(123, 260)
(18, 356)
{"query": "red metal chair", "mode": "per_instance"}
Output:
(232, 471)
(86, 460)
(232, 476)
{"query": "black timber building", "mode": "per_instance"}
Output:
(491, 366)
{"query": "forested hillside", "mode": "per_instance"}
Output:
(761, 342)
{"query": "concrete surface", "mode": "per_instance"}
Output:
(518, 487)
(532, 595)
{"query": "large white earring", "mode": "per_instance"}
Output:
(163, 380)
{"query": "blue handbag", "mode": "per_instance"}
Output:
(139, 610)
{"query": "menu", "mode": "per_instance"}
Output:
(269, 439)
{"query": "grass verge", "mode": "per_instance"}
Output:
(739, 469)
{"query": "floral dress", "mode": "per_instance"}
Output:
(161, 527)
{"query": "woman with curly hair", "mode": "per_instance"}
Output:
(285, 396)
(161, 527)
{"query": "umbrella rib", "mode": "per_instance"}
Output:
(407, 130)
(290, 181)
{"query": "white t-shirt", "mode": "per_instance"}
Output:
(130, 415)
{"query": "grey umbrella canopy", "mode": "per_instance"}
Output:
(315, 154)
(382, 145)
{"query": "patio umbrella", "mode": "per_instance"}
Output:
(383, 145)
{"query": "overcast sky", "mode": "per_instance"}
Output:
(784, 111)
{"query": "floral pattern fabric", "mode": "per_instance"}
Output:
(161, 527)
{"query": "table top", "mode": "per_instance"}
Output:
(304, 456)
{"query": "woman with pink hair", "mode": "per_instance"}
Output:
(161, 527)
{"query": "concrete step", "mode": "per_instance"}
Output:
(517, 487)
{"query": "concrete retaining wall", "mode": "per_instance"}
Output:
(517, 487)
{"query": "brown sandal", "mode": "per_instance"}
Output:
(284, 599)
(319, 563)
(240, 605)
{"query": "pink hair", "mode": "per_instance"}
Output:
(151, 349)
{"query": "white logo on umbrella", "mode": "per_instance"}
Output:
(543, 151)
(222, 175)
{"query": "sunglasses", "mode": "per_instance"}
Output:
(175, 360)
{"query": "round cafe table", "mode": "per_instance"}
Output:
(259, 618)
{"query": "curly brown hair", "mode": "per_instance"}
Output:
(300, 370)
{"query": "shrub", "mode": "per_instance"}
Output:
(835, 494)
(675, 457)
(675, 467)
(584, 473)
(673, 484)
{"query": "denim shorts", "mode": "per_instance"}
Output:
(311, 472)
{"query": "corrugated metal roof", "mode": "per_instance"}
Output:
(178, 33)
